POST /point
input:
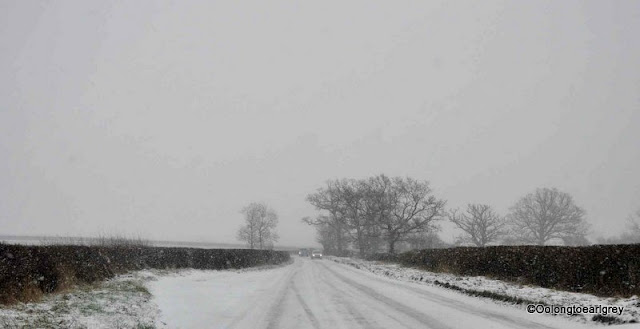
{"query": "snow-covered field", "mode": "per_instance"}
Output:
(329, 293)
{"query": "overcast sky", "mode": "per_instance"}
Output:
(163, 119)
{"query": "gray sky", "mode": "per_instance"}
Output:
(164, 119)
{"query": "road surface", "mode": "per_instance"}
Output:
(323, 294)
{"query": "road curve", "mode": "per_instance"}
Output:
(323, 294)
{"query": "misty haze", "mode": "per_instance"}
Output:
(322, 164)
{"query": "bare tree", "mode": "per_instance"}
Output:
(376, 207)
(426, 240)
(547, 214)
(326, 236)
(259, 228)
(328, 201)
(412, 209)
(247, 233)
(353, 196)
(480, 223)
(370, 211)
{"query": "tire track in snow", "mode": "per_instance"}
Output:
(307, 310)
(326, 307)
(259, 303)
(514, 323)
(346, 303)
(275, 312)
(376, 307)
(417, 315)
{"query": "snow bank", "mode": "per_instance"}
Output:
(501, 291)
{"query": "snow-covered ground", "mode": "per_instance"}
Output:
(123, 302)
(329, 293)
(479, 284)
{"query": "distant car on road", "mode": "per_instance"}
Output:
(316, 254)
(303, 253)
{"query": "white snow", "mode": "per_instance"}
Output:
(122, 302)
(479, 283)
(203, 299)
(326, 294)
(331, 293)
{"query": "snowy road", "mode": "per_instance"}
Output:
(324, 294)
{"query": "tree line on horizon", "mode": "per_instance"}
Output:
(381, 214)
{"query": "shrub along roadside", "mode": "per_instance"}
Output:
(604, 270)
(28, 272)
